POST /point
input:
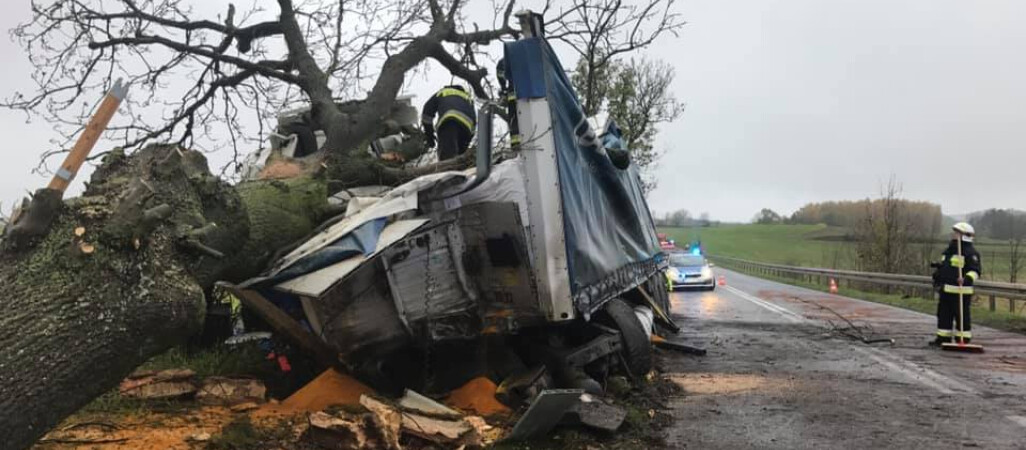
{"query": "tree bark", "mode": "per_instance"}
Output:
(122, 272)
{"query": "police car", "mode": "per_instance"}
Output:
(689, 269)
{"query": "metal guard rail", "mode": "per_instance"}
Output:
(1010, 291)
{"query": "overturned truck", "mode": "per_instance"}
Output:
(546, 258)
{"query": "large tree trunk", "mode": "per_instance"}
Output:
(121, 272)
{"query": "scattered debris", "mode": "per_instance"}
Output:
(165, 384)
(521, 387)
(198, 437)
(664, 343)
(231, 391)
(414, 402)
(478, 396)
(244, 407)
(253, 336)
(452, 433)
(387, 418)
(860, 333)
(346, 431)
(594, 413)
(545, 413)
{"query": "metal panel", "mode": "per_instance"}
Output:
(316, 283)
(358, 317)
(545, 209)
(427, 282)
(499, 264)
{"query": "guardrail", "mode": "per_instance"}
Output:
(990, 289)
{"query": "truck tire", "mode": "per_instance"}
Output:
(637, 347)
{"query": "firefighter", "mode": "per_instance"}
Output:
(956, 274)
(455, 125)
(509, 99)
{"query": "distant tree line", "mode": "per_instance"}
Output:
(683, 218)
(849, 214)
(894, 235)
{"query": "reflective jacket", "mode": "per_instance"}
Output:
(951, 267)
(449, 104)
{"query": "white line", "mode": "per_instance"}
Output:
(908, 373)
(925, 376)
(1020, 420)
(760, 302)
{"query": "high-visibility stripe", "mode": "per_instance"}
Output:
(952, 289)
(944, 333)
(964, 334)
(449, 92)
(457, 116)
(957, 261)
(515, 139)
(511, 97)
(972, 274)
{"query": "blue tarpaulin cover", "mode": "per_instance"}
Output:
(610, 236)
(361, 241)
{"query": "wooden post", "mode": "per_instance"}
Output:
(993, 303)
(97, 124)
(286, 326)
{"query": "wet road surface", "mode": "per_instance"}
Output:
(781, 374)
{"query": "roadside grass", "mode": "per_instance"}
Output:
(221, 360)
(1000, 319)
(811, 246)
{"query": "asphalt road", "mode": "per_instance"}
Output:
(781, 374)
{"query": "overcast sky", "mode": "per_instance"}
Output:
(788, 102)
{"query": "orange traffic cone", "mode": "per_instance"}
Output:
(723, 280)
(833, 286)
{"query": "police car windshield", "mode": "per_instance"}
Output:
(681, 260)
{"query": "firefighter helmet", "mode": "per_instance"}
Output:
(964, 230)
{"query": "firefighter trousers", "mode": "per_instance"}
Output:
(947, 317)
(453, 139)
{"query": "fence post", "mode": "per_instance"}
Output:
(993, 303)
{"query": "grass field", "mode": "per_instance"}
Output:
(808, 245)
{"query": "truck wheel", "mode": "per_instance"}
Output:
(637, 348)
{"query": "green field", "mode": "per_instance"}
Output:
(808, 245)
(798, 245)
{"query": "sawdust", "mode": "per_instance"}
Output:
(150, 430)
(478, 396)
(720, 383)
(329, 388)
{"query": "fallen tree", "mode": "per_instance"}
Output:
(93, 286)
(121, 275)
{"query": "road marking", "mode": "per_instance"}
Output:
(908, 373)
(760, 302)
(922, 375)
(1019, 420)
